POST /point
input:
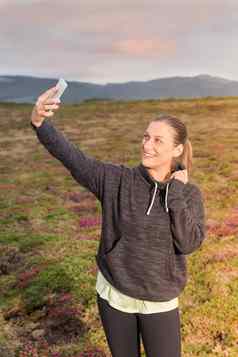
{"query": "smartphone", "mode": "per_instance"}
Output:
(61, 85)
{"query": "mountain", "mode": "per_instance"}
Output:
(26, 89)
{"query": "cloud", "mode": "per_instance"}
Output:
(144, 47)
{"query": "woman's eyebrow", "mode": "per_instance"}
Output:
(156, 136)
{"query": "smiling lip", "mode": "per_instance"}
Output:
(147, 155)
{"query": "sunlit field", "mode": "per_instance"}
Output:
(50, 227)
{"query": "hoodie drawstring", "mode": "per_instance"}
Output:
(153, 198)
(166, 197)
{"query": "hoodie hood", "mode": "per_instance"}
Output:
(159, 185)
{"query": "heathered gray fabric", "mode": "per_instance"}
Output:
(142, 255)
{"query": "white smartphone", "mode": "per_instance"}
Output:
(61, 85)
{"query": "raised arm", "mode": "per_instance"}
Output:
(187, 216)
(87, 171)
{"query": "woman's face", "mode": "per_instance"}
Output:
(158, 143)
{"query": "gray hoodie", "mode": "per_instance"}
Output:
(147, 226)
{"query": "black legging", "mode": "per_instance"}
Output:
(160, 331)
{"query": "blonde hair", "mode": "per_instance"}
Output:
(180, 137)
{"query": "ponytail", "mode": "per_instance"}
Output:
(187, 155)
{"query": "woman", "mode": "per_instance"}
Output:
(152, 217)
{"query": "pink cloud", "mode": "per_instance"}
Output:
(145, 47)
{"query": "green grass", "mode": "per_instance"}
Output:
(53, 279)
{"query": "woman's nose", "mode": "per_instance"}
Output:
(148, 146)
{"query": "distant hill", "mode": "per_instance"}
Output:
(25, 89)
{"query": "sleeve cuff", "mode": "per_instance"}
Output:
(175, 195)
(36, 128)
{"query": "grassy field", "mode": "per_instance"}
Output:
(50, 227)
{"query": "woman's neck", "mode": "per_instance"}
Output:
(159, 174)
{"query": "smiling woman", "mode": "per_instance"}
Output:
(164, 143)
(152, 217)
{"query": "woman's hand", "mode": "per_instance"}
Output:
(45, 106)
(181, 175)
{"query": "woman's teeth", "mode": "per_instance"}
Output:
(148, 155)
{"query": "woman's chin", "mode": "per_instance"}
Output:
(147, 162)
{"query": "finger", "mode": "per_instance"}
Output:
(47, 94)
(42, 106)
(51, 106)
(44, 113)
(52, 101)
(48, 114)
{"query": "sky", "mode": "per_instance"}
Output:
(108, 41)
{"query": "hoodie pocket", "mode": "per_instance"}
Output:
(136, 261)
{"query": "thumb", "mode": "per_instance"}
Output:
(49, 93)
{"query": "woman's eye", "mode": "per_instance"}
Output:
(156, 140)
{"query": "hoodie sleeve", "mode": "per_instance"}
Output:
(187, 216)
(87, 171)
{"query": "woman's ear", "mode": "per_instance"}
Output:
(178, 150)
